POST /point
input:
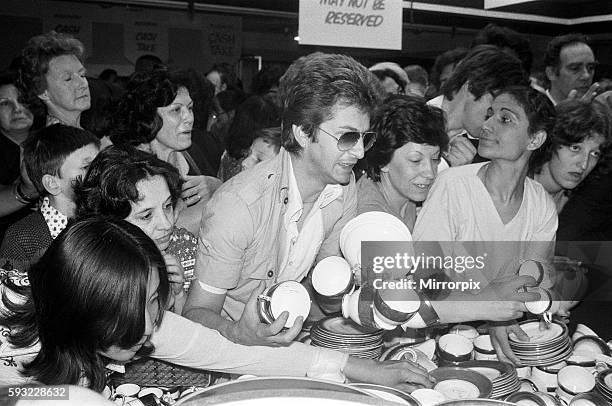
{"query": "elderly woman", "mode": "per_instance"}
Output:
(403, 162)
(578, 141)
(496, 201)
(17, 192)
(52, 73)
(156, 115)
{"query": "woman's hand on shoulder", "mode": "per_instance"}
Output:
(196, 188)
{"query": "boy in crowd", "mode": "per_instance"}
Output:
(54, 158)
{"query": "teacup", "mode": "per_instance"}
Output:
(395, 310)
(359, 309)
(287, 296)
(483, 348)
(454, 348)
(332, 277)
(532, 268)
(542, 305)
(468, 332)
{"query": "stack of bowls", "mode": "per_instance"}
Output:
(502, 375)
(344, 335)
(545, 346)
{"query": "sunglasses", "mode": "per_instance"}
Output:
(349, 139)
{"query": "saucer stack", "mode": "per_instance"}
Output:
(344, 335)
(501, 374)
(545, 346)
(603, 383)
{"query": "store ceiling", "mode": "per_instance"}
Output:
(548, 17)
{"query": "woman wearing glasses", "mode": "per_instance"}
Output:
(403, 163)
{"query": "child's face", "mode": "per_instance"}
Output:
(76, 165)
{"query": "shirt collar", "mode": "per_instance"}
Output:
(55, 220)
(547, 92)
(294, 206)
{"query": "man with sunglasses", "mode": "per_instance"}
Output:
(272, 223)
(570, 67)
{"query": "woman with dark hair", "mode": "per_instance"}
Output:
(578, 143)
(125, 183)
(17, 192)
(53, 77)
(403, 162)
(254, 114)
(156, 115)
(98, 294)
(495, 201)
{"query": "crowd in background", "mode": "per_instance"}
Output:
(176, 192)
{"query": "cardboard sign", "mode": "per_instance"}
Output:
(222, 38)
(74, 23)
(351, 23)
(145, 37)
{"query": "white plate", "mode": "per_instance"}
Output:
(457, 389)
(536, 335)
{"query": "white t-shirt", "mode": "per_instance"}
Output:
(459, 208)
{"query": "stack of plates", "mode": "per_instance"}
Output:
(344, 335)
(502, 375)
(603, 383)
(545, 347)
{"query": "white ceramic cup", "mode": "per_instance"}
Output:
(332, 276)
(288, 296)
(468, 332)
(483, 348)
(532, 268)
(455, 348)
